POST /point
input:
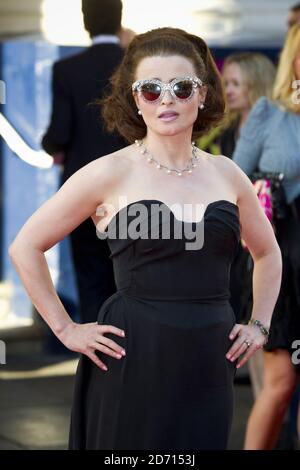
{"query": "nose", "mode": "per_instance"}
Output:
(167, 97)
(228, 87)
(229, 90)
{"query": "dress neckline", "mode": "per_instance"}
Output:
(209, 205)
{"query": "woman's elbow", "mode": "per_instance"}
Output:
(18, 247)
(270, 251)
(14, 250)
(275, 257)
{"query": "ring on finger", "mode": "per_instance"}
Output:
(248, 343)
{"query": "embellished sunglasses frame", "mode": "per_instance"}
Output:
(137, 87)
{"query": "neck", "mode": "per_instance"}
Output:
(244, 114)
(173, 151)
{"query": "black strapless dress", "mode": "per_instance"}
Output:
(174, 388)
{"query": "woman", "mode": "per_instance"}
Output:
(247, 76)
(270, 141)
(173, 386)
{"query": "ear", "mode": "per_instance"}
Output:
(202, 94)
(136, 99)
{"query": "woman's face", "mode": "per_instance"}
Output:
(168, 116)
(237, 93)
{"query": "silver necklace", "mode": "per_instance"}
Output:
(188, 168)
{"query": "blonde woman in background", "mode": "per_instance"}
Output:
(270, 141)
(247, 76)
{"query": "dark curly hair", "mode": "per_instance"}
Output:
(119, 109)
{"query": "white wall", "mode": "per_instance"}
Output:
(20, 16)
(240, 21)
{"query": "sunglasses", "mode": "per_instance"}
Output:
(180, 88)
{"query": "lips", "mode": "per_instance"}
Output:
(168, 115)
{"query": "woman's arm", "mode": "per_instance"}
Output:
(259, 236)
(73, 203)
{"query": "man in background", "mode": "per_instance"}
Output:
(75, 137)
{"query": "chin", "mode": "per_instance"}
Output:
(172, 131)
(234, 108)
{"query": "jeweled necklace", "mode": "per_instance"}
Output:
(188, 168)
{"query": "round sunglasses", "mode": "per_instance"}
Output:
(153, 90)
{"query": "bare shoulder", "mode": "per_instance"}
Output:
(121, 158)
(240, 182)
(235, 176)
(222, 164)
(219, 162)
(104, 173)
(109, 170)
(222, 173)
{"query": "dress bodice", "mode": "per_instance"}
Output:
(172, 259)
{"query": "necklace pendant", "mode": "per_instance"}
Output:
(179, 173)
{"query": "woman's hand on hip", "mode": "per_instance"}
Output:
(248, 339)
(87, 338)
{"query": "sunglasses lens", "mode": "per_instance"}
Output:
(151, 91)
(183, 89)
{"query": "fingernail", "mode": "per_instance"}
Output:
(123, 352)
(104, 368)
(230, 336)
(123, 333)
(232, 359)
(228, 356)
